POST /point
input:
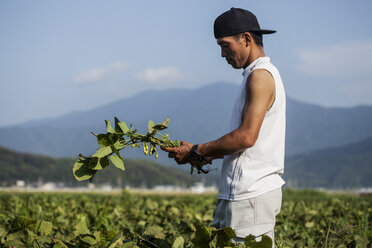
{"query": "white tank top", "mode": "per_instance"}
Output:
(257, 169)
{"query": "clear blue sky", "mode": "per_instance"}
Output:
(61, 56)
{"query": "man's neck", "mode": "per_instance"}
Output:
(255, 54)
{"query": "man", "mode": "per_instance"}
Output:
(253, 152)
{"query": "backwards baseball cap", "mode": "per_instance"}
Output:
(236, 21)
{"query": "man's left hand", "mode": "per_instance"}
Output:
(181, 153)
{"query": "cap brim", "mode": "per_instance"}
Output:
(264, 31)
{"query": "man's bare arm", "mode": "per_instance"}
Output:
(260, 95)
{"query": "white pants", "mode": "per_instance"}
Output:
(254, 216)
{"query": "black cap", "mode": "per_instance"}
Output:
(236, 21)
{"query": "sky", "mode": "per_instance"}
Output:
(62, 56)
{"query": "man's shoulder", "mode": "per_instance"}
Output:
(260, 77)
(261, 86)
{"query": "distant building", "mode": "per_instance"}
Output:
(20, 183)
(199, 188)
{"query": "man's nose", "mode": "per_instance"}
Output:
(223, 53)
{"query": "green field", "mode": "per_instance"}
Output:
(307, 219)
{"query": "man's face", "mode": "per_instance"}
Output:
(234, 51)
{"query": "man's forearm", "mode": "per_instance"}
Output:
(230, 143)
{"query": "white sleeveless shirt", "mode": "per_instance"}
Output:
(257, 169)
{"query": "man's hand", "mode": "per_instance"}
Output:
(181, 154)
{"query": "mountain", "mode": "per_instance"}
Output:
(347, 166)
(196, 115)
(341, 167)
(312, 127)
(33, 168)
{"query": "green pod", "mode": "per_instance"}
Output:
(145, 148)
(152, 148)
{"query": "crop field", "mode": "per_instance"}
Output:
(307, 219)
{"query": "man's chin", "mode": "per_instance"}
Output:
(236, 66)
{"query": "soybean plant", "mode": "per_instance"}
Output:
(118, 138)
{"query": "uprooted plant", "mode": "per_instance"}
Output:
(118, 138)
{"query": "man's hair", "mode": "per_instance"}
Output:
(257, 37)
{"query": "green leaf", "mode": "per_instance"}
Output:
(81, 227)
(153, 230)
(116, 151)
(102, 140)
(103, 152)
(109, 127)
(112, 237)
(162, 126)
(266, 242)
(104, 162)
(45, 227)
(2, 229)
(309, 224)
(82, 171)
(119, 145)
(59, 244)
(23, 223)
(150, 127)
(176, 143)
(178, 243)
(121, 127)
(88, 238)
(203, 236)
(224, 236)
(129, 244)
(107, 139)
(117, 162)
(101, 163)
(117, 127)
(109, 235)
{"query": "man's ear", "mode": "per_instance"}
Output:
(247, 38)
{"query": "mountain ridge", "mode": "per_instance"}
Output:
(342, 167)
(197, 115)
(346, 166)
(32, 168)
